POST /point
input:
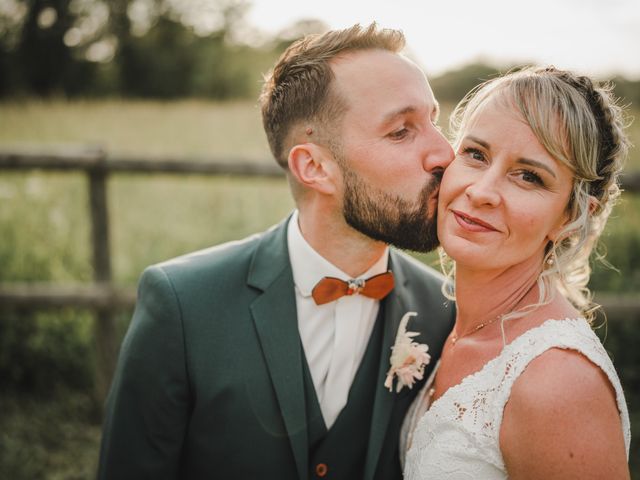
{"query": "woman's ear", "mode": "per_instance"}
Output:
(594, 204)
(312, 167)
(554, 234)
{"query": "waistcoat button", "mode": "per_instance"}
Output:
(321, 469)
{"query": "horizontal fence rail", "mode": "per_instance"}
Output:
(102, 296)
(44, 295)
(97, 160)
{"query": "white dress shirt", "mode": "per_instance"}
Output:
(334, 335)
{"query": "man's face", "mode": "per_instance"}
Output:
(391, 153)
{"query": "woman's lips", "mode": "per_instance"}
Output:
(472, 224)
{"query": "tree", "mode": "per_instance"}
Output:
(39, 60)
(452, 86)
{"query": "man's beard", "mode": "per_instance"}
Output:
(389, 218)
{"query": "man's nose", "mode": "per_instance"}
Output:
(438, 152)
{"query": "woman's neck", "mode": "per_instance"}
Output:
(482, 295)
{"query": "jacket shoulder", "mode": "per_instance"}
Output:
(415, 269)
(225, 263)
(423, 286)
(213, 258)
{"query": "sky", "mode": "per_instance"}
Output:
(595, 37)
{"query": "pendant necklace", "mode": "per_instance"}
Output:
(455, 337)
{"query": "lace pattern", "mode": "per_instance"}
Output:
(458, 436)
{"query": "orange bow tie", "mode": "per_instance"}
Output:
(330, 288)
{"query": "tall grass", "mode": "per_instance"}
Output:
(184, 128)
(50, 240)
(186, 214)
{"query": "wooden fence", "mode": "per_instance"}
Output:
(105, 298)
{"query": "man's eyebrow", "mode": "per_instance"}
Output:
(525, 161)
(389, 117)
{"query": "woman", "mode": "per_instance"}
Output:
(524, 389)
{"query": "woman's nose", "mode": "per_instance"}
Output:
(485, 190)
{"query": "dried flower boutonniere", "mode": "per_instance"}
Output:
(408, 358)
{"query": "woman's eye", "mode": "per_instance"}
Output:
(532, 177)
(474, 153)
(399, 134)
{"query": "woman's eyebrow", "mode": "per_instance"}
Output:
(536, 163)
(526, 161)
(479, 142)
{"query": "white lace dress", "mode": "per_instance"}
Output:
(458, 436)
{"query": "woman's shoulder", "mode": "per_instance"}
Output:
(562, 372)
(566, 334)
(566, 397)
(559, 356)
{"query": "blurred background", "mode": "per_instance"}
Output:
(130, 133)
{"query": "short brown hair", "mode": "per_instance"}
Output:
(298, 88)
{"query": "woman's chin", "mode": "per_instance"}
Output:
(469, 254)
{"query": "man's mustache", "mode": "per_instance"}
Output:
(432, 186)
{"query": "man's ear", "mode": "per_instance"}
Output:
(312, 167)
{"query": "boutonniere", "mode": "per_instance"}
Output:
(408, 358)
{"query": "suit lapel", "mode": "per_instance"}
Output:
(275, 318)
(394, 309)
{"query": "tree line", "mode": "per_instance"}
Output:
(134, 48)
(161, 49)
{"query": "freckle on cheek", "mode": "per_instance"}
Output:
(531, 221)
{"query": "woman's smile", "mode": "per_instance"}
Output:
(472, 224)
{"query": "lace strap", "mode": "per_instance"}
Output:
(572, 334)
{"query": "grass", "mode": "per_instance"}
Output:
(45, 236)
(52, 438)
(184, 128)
(181, 213)
(193, 212)
(188, 128)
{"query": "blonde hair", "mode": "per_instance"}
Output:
(299, 87)
(580, 124)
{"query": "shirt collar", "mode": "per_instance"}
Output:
(309, 267)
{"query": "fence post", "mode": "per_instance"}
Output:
(104, 326)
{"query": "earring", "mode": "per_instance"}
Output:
(551, 260)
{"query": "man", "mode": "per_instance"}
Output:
(235, 364)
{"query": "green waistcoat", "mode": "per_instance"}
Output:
(340, 452)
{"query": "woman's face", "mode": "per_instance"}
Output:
(504, 196)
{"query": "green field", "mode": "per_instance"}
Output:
(190, 128)
(180, 213)
(48, 428)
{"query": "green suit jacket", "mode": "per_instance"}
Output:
(209, 382)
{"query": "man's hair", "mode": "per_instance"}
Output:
(299, 87)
